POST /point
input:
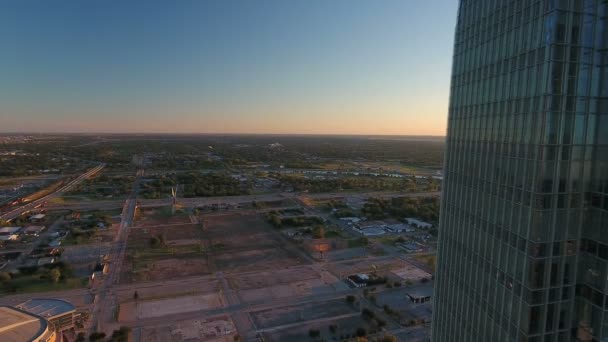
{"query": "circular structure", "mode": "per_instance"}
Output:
(18, 325)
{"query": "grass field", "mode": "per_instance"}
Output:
(30, 284)
(356, 243)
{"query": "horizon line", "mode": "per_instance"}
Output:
(225, 133)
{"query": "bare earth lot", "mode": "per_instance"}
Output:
(210, 329)
(202, 277)
(182, 256)
(248, 243)
(169, 306)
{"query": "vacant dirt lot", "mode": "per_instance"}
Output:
(132, 311)
(179, 252)
(341, 269)
(411, 272)
(246, 242)
(159, 216)
(231, 242)
(213, 329)
(265, 279)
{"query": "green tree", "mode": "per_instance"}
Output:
(121, 335)
(388, 338)
(5, 277)
(314, 333)
(97, 337)
(55, 274)
(318, 232)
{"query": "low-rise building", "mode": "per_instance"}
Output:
(411, 247)
(418, 223)
(358, 280)
(420, 294)
(399, 228)
(351, 220)
(373, 231)
(9, 233)
(37, 217)
(372, 228)
(33, 230)
(45, 261)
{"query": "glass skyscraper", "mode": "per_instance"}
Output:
(523, 241)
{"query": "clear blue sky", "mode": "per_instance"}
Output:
(261, 66)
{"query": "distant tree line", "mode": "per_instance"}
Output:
(300, 183)
(195, 184)
(425, 208)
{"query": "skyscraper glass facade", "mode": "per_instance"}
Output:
(523, 241)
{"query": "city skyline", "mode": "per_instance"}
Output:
(230, 67)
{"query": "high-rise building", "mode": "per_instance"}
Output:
(523, 241)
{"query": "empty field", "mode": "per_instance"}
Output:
(242, 243)
(231, 243)
(363, 266)
(216, 329)
(266, 279)
(160, 251)
(159, 216)
(170, 306)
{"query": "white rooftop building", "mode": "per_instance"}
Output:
(418, 223)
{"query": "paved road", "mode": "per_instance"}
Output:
(103, 310)
(69, 186)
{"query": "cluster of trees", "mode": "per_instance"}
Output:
(84, 229)
(78, 235)
(427, 153)
(299, 183)
(389, 311)
(158, 241)
(296, 152)
(370, 316)
(51, 273)
(185, 162)
(28, 165)
(426, 208)
(119, 335)
(334, 204)
(194, 184)
(318, 232)
(344, 213)
(158, 187)
(105, 185)
(275, 218)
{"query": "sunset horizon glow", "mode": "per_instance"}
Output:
(234, 67)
